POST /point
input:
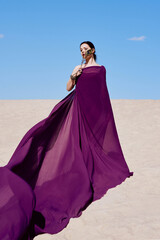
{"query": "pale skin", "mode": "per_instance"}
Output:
(90, 61)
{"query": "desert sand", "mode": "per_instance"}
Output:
(128, 211)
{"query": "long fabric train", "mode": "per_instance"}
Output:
(63, 163)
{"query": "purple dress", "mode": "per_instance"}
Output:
(63, 163)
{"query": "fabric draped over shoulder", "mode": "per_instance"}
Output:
(63, 163)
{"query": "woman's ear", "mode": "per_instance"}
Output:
(93, 50)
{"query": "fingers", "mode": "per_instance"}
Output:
(79, 71)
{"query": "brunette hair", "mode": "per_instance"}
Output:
(91, 46)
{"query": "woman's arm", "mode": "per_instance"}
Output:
(71, 83)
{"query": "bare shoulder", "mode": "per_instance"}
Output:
(76, 69)
(78, 66)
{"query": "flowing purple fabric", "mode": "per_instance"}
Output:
(63, 163)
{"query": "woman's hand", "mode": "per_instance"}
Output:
(76, 72)
(79, 71)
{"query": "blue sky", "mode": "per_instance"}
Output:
(39, 46)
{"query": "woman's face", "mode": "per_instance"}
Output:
(84, 47)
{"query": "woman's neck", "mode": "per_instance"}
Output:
(90, 61)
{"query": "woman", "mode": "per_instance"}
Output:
(66, 161)
(90, 61)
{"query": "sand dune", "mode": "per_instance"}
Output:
(129, 211)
